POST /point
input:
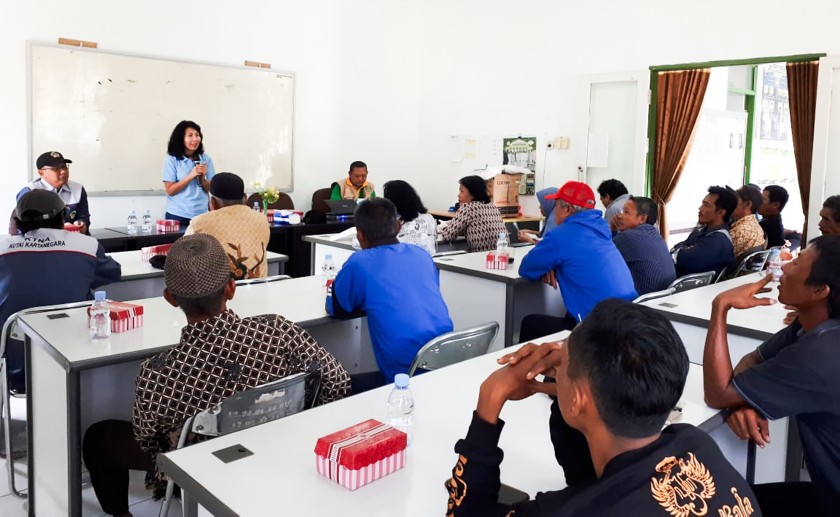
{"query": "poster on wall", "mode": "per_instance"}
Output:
(521, 151)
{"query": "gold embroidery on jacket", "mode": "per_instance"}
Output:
(685, 487)
(744, 508)
(455, 486)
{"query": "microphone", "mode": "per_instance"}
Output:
(197, 162)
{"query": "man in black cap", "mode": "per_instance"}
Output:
(242, 232)
(46, 265)
(219, 355)
(54, 170)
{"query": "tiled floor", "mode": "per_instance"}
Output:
(139, 498)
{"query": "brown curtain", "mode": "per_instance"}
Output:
(679, 98)
(802, 95)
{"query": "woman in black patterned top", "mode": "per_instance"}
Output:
(476, 218)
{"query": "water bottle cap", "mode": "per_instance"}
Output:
(401, 380)
(502, 235)
(132, 211)
(328, 256)
(99, 296)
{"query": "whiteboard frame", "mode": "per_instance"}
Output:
(33, 174)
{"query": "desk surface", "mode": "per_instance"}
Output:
(694, 307)
(445, 214)
(282, 469)
(135, 268)
(475, 264)
(298, 299)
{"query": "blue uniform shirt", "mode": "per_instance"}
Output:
(192, 201)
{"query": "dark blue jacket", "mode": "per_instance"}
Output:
(706, 249)
(588, 266)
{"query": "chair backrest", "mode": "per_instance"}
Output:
(692, 281)
(271, 401)
(264, 280)
(318, 200)
(284, 201)
(654, 295)
(454, 347)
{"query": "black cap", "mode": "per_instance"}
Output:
(51, 159)
(227, 186)
(38, 205)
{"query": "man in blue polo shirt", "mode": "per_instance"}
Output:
(793, 374)
(396, 285)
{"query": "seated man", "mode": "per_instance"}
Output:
(578, 256)
(793, 374)
(46, 265)
(773, 201)
(54, 170)
(830, 216)
(242, 232)
(219, 355)
(618, 376)
(613, 196)
(396, 284)
(355, 185)
(709, 246)
(642, 247)
(746, 233)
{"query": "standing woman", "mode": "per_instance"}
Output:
(477, 219)
(417, 226)
(187, 172)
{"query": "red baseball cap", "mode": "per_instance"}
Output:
(575, 193)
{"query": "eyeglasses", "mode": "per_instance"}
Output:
(65, 167)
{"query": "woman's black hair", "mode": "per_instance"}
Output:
(477, 188)
(176, 140)
(405, 198)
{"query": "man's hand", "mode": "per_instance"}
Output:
(82, 226)
(747, 424)
(791, 316)
(550, 278)
(515, 381)
(614, 222)
(744, 296)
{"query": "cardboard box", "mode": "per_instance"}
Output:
(504, 190)
(167, 226)
(124, 316)
(360, 454)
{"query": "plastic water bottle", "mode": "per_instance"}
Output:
(502, 243)
(147, 221)
(257, 207)
(401, 406)
(132, 222)
(100, 317)
(774, 265)
(328, 271)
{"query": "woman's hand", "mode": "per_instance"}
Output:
(527, 236)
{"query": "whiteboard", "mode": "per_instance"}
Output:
(112, 114)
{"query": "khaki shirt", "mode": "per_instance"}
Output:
(243, 234)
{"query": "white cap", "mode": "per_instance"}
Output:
(99, 296)
(401, 380)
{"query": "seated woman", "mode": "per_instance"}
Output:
(476, 218)
(355, 185)
(416, 225)
(642, 247)
(547, 210)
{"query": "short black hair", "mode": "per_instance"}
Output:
(405, 198)
(726, 200)
(205, 306)
(751, 195)
(176, 139)
(356, 165)
(377, 219)
(477, 187)
(833, 204)
(777, 194)
(635, 363)
(646, 206)
(612, 188)
(55, 222)
(824, 270)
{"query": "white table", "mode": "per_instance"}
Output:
(281, 477)
(73, 382)
(476, 295)
(140, 280)
(690, 312)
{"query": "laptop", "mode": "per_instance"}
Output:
(341, 206)
(513, 236)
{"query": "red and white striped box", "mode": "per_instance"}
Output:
(167, 226)
(124, 316)
(365, 452)
(151, 251)
(496, 260)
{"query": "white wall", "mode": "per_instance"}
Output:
(389, 81)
